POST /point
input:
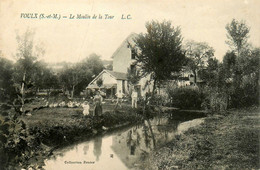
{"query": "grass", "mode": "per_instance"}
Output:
(221, 142)
(54, 126)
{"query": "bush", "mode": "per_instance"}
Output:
(215, 101)
(186, 97)
(245, 96)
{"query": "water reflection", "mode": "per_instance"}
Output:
(97, 147)
(85, 149)
(120, 150)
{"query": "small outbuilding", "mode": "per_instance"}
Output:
(109, 82)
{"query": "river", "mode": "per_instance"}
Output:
(121, 149)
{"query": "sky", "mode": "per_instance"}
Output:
(72, 40)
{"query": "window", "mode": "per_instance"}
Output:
(132, 54)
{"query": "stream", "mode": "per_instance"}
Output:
(120, 149)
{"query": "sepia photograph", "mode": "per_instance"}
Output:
(129, 84)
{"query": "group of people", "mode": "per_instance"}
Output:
(98, 102)
(98, 107)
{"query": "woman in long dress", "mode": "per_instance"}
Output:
(98, 106)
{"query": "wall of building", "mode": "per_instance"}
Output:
(122, 60)
(119, 86)
(122, 57)
(107, 79)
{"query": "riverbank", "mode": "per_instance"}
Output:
(35, 135)
(221, 142)
(55, 126)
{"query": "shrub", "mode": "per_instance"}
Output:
(186, 97)
(244, 96)
(215, 100)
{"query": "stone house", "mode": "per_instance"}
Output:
(113, 81)
(123, 61)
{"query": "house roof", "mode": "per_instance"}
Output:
(118, 75)
(130, 37)
(113, 74)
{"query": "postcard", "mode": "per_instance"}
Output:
(129, 84)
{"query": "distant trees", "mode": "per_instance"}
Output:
(198, 54)
(75, 78)
(235, 81)
(232, 83)
(210, 73)
(158, 52)
(44, 78)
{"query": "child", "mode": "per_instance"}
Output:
(85, 106)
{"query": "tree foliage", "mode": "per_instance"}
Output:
(198, 53)
(158, 52)
(237, 34)
(133, 76)
(25, 66)
(75, 78)
(7, 90)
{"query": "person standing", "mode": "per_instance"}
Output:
(98, 106)
(134, 98)
(119, 98)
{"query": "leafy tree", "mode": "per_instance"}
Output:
(158, 52)
(238, 34)
(7, 90)
(27, 55)
(90, 67)
(44, 78)
(75, 78)
(241, 66)
(198, 53)
(133, 76)
(69, 78)
(210, 73)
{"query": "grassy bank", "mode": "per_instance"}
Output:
(54, 126)
(28, 140)
(221, 142)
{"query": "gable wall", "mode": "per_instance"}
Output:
(122, 59)
(107, 79)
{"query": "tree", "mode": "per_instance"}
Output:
(158, 52)
(198, 53)
(90, 67)
(241, 66)
(76, 77)
(70, 77)
(238, 34)
(7, 90)
(210, 73)
(133, 76)
(27, 55)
